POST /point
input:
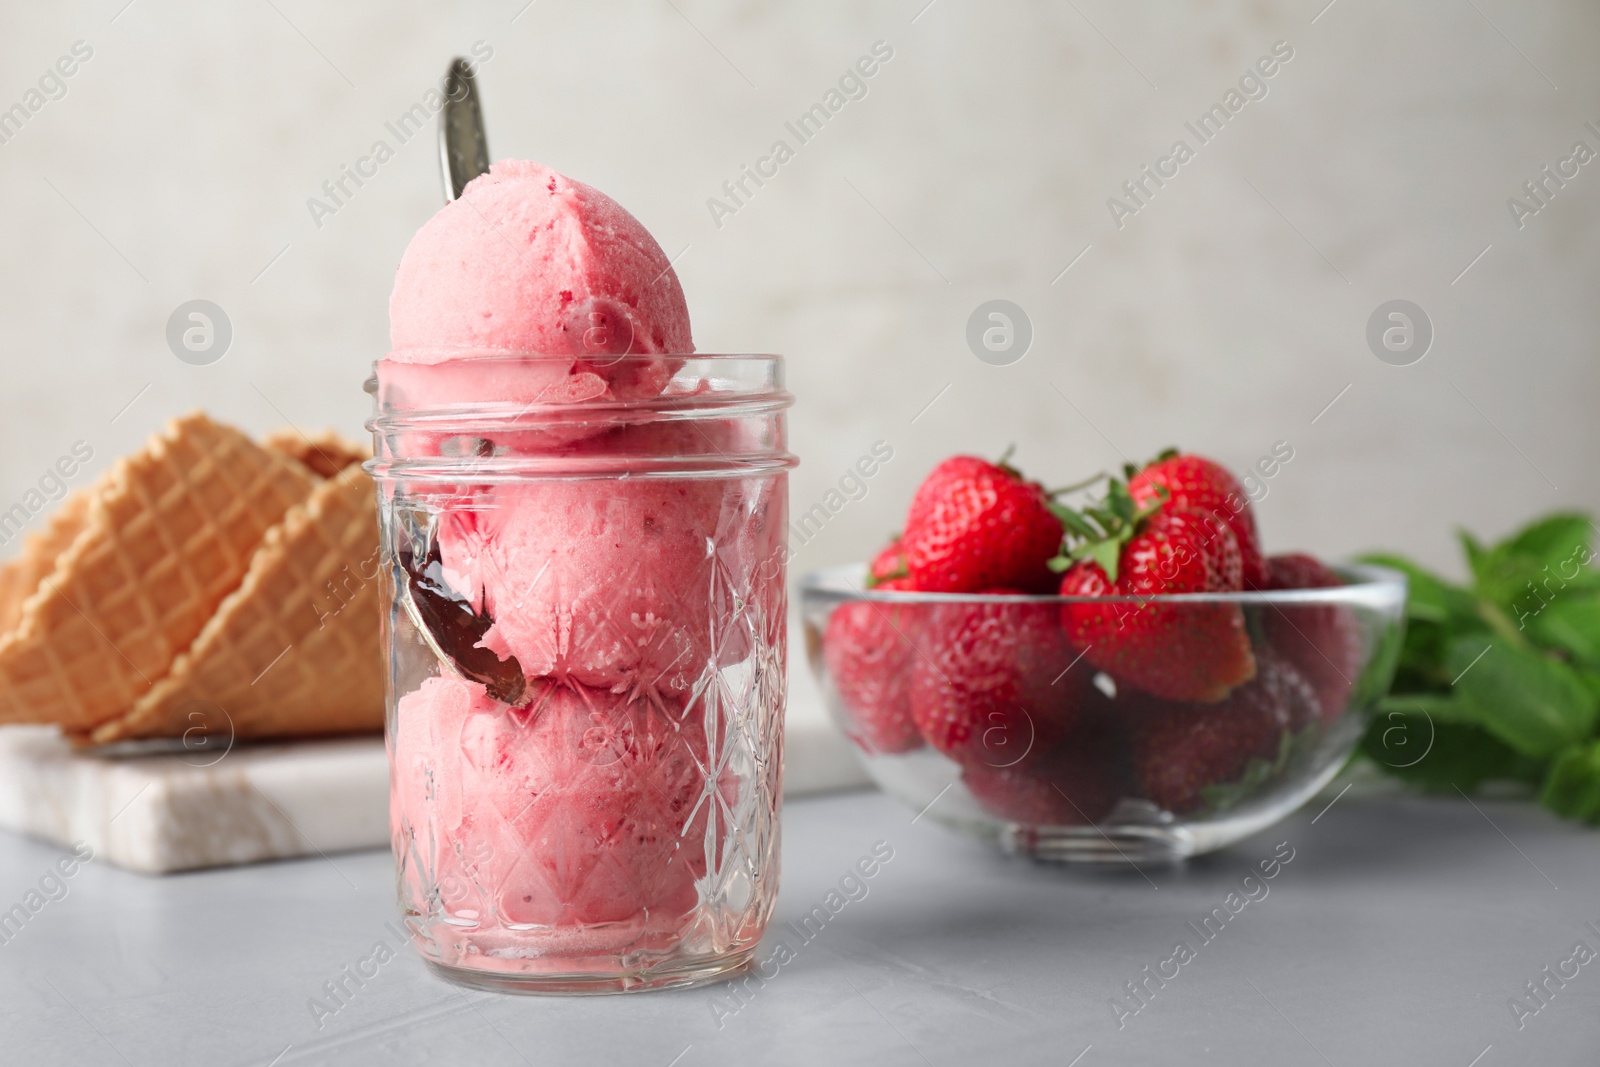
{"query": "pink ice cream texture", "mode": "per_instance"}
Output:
(574, 810)
(528, 261)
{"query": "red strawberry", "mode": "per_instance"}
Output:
(1205, 486)
(1070, 800)
(1175, 651)
(982, 689)
(1077, 782)
(1017, 797)
(976, 525)
(868, 652)
(1323, 641)
(1180, 749)
(887, 564)
(1290, 688)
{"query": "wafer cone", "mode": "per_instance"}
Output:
(295, 650)
(327, 453)
(21, 575)
(168, 534)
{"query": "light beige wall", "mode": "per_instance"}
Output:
(1223, 316)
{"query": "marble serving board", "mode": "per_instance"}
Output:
(163, 811)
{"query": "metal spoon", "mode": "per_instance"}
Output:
(463, 146)
(453, 630)
(449, 625)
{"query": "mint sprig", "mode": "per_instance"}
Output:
(1572, 788)
(1499, 678)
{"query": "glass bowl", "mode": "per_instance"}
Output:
(1189, 722)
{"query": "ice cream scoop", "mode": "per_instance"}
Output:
(529, 261)
(590, 813)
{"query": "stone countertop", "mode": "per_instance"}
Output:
(1396, 930)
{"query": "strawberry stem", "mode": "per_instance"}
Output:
(1004, 462)
(1075, 486)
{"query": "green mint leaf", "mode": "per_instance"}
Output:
(1477, 555)
(1570, 623)
(1439, 707)
(1440, 754)
(1572, 787)
(1437, 614)
(1531, 701)
(1429, 598)
(1550, 538)
(1535, 565)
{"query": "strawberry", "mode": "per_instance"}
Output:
(1322, 641)
(1180, 749)
(982, 689)
(887, 564)
(1077, 782)
(1176, 651)
(1018, 797)
(1067, 800)
(1290, 688)
(1203, 485)
(868, 652)
(977, 525)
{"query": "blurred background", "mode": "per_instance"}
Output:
(1225, 309)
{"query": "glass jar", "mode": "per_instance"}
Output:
(585, 617)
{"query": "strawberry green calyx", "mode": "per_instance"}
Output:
(889, 564)
(898, 571)
(1130, 469)
(1099, 531)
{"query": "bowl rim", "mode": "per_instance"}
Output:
(1366, 583)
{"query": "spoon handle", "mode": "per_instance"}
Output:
(463, 146)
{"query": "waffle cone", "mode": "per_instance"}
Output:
(165, 537)
(22, 574)
(295, 650)
(327, 453)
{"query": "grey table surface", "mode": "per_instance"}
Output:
(1397, 934)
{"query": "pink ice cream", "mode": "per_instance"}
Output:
(576, 813)
(529, 261)
(617, 590)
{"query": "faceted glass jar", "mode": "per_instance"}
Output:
(585, 612)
